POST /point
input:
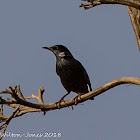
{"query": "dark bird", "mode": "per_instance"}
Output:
(71, 72)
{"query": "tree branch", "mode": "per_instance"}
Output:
(27, 107)
(39, 98)
(135, 20)
(93, 3)
(133, 10)
(52, 106)
(4, 126)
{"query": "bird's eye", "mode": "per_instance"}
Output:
(56, 47)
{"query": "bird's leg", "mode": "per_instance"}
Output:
(62, 99)
(76, 98)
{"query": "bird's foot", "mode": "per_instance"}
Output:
(59, 102)
(62, 99)
(76, 98)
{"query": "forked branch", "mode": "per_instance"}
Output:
(16, 99)
(22, 106)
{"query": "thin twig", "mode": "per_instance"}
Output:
(20, 93)
(4, 126)
(39, 98)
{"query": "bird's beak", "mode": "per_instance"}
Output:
(48, 48)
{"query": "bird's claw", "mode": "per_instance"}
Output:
(62, 99)
(76, 99)
(59, 103)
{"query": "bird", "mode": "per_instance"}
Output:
(73, 75)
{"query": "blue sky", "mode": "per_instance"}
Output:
(101, 38)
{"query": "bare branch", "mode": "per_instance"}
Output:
(93, 3)
(1, 110)
(20, 93)
(28, 107)
(52, 106)
(133, 10)
(135, 20)
(4, 126)
(39, 98)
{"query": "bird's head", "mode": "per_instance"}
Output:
(59, 51)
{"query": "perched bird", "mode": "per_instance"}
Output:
(71, 72)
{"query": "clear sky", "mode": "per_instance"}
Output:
(101, 38)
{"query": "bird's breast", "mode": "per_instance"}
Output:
(69, 72)
(64, 68)
(71, 75)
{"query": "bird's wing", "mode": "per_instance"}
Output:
(85, 75)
